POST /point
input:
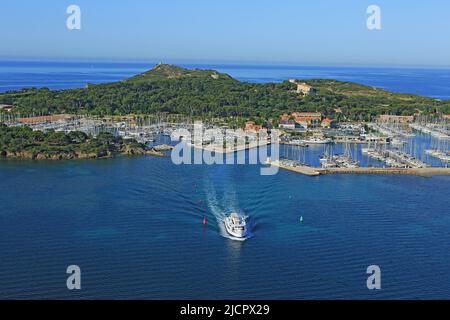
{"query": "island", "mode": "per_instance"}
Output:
(301, 108)
(207, 94)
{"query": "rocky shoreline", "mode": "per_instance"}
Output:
(75, 155)
(25, 143)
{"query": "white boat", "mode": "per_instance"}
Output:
(298, 143)
(316, 140)
(366, 150)
(327, 164)
(236, 226)
(441, 155)
(398, 142)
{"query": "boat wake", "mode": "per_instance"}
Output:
(221, 208)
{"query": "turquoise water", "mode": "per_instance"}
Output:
(134, 226)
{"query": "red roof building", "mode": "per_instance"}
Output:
(327, 123)
(251, 126)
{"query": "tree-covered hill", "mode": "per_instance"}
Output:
(208, 93)
(23, 142)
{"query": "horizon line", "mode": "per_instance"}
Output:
(225, 62)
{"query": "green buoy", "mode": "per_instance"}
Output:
(301, 219)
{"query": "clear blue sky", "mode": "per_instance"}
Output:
(275, 31)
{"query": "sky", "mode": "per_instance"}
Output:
(329, 32)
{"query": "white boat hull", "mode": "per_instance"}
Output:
(233, 231)
(308, 142)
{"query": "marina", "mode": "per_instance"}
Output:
(329, 160)
(393, 157)
(439, 131)
(441, 155)
(345, 146)
(392, 130)
(376, 155)
(389, 142)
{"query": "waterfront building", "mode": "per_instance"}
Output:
(308, 119)
(303, 120)
(250, 126)
(290, 125)
(287, 124)
(328, 123)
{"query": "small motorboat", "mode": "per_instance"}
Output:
(236, 226)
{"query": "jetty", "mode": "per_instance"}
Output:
(292, 166)
(311, 171)
(422, 172)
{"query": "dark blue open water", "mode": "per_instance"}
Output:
(61, 75)
(134, 225)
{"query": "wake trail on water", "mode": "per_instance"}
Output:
(223, 206)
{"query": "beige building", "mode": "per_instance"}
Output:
(303, 88)
(6, 107)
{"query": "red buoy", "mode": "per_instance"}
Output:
(204, 221)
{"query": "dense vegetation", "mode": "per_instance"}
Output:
(23, 142)
(207, 93)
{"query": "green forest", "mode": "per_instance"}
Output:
(208, 93)
(23, 142)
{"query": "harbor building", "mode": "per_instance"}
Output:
(250, 126)
(287, 124)
(328, 123)
(302, 119)
(290, 125)
(308, 119)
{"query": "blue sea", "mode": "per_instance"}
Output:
(134, 225)
(15, 75)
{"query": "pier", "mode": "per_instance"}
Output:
(311, 171)
(422, 172)
(305, 170)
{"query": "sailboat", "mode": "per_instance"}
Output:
(326, 160)
(346, 160)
